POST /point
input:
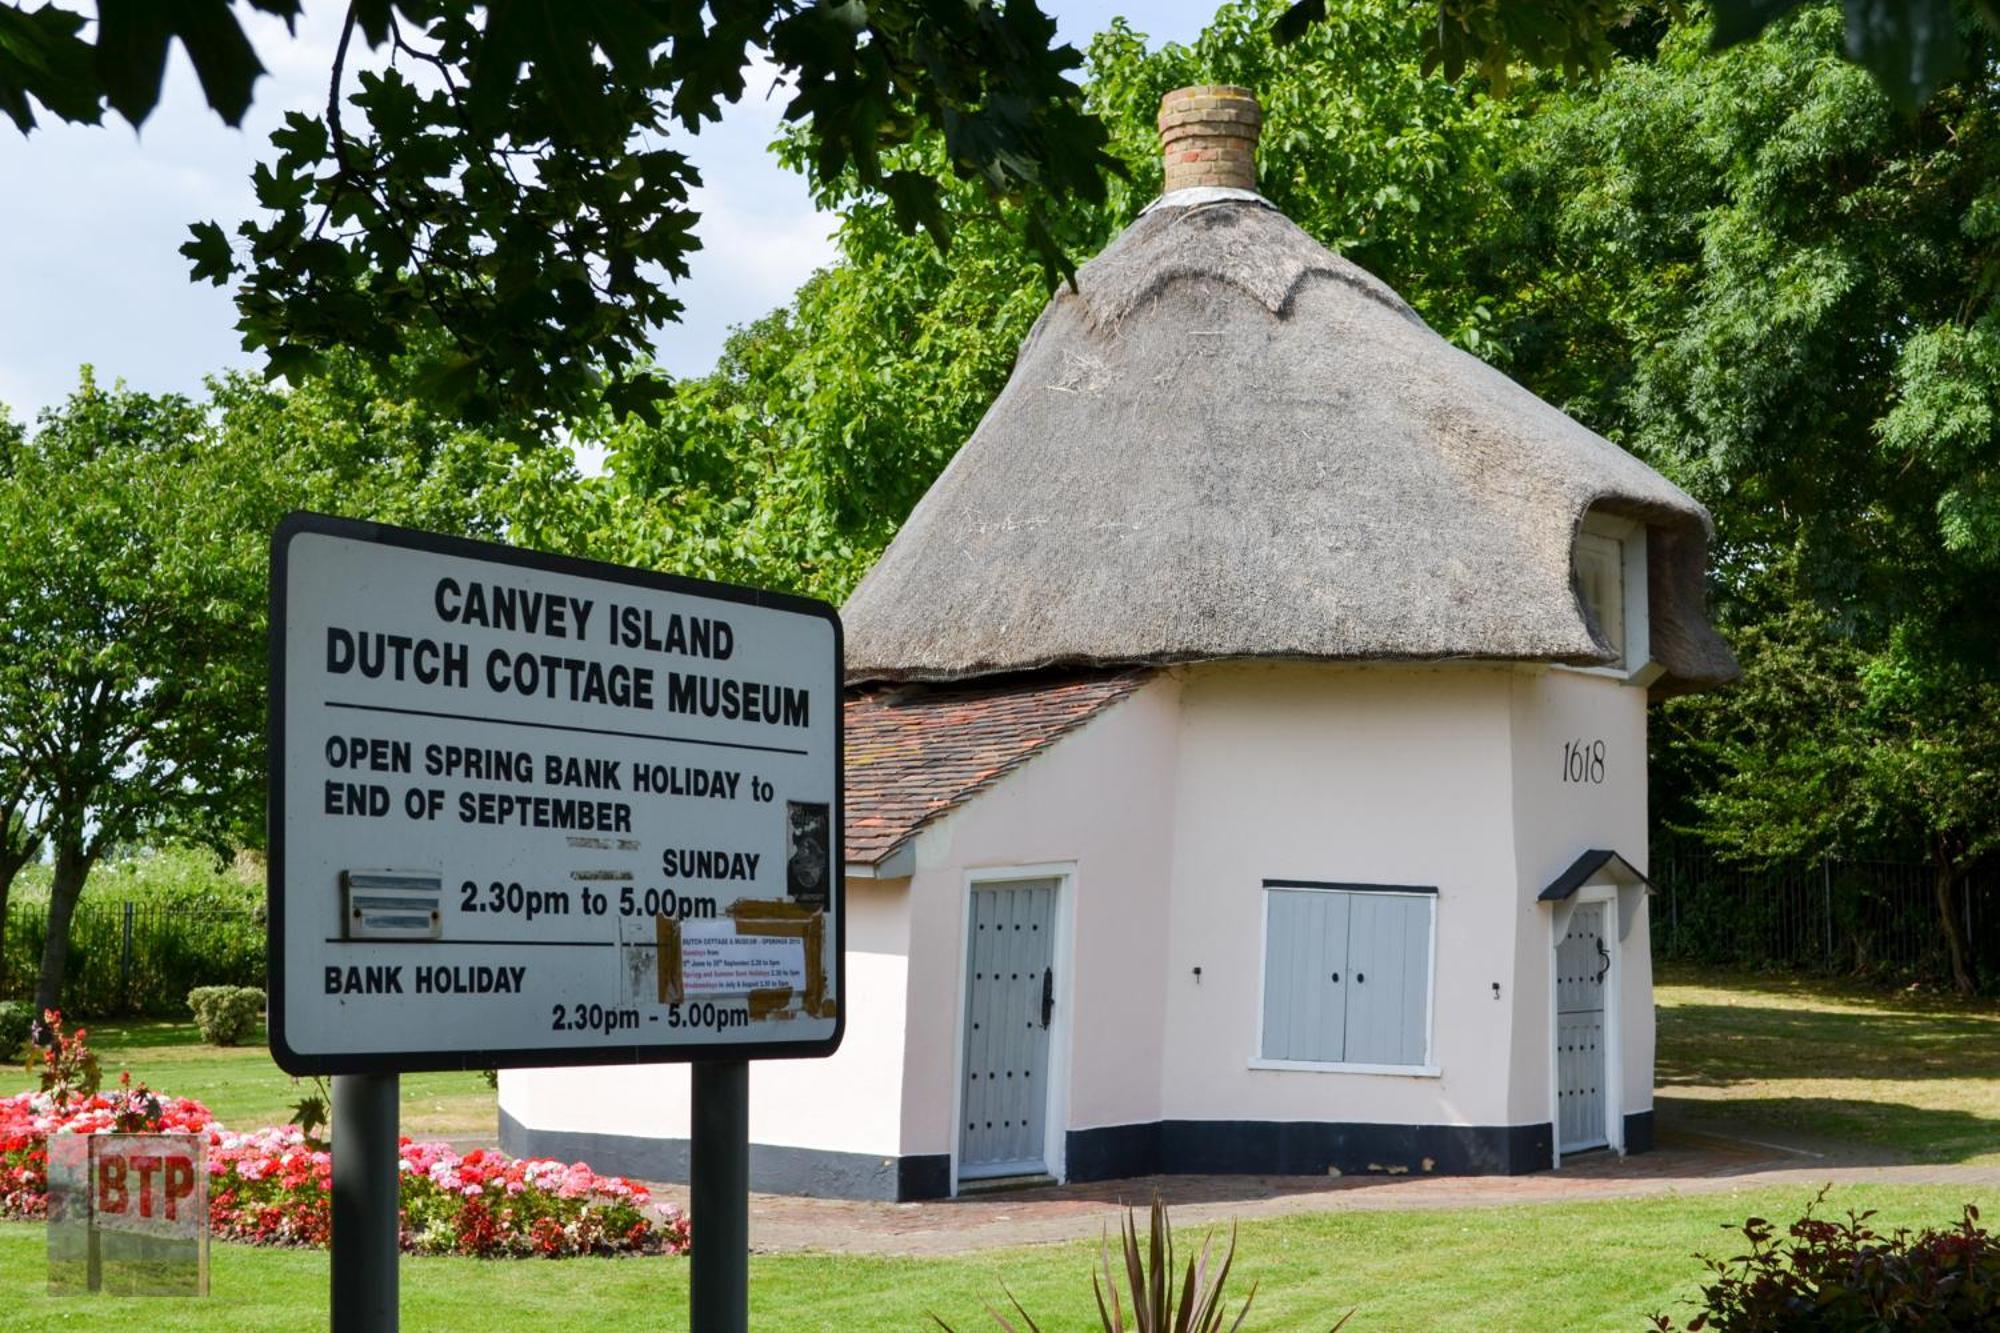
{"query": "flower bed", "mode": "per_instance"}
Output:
(270, 1187)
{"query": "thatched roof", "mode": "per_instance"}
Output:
(1230, 442)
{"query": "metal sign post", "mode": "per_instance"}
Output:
(719, 1171)
(530, 811)
(365, 1185)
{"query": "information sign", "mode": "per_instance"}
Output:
(529, 810)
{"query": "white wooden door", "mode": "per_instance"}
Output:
(1010, 1001)
(1583, 965)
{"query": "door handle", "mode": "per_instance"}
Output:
(1603, 953)
(1048, 996)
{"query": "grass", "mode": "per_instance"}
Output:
(1579, 1266)
(245, 1090)
(1893, 1075)
(1896, 1075)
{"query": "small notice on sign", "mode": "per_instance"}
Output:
(716, 961)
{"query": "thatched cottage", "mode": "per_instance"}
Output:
(1246, 754)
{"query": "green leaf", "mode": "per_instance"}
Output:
(1294, 22)
(132, 41)
(1912, 47)
(1743, 20)
(42, 60)
(209, 254)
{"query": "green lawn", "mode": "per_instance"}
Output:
(245, 1090)
(1583, 1266)
(1897, 1074)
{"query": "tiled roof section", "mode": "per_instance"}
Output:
(915, 752)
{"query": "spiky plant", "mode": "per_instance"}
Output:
(1148, 1281)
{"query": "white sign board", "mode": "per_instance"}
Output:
(528, 810)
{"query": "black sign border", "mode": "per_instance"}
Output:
(300, 522)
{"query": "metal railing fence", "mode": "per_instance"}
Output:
(1830, 914)
(134, 958)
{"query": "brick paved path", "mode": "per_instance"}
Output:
(1684, 1164)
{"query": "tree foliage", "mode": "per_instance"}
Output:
(133, 586)
(1749, 268)
(1910, 47)
(1759, 275)
(502, 181)
(123, 683)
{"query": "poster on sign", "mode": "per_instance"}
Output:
(530, 810)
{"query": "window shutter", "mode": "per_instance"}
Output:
(1305, 949)
(1600, 575)
(1388, 954)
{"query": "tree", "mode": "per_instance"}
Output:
(499, 182)
(1757, 273)
(119, 589)
(20, 833)
(1910, 49)
(1829, 742)
(133, 593)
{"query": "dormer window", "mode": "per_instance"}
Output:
(1610, 567)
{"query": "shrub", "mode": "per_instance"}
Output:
(1842, 1276)
(17, 1019)
(226, 1014)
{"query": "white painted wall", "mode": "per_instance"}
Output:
(845, 1103)
(1099, 801)
(1556, 821)
(1168, 811)
(1384, 776)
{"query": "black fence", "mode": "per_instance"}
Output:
(128, 958)
(1828, 914)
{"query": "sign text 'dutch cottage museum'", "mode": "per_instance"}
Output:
(1246, 745)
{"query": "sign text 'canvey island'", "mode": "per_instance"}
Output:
(448, 663)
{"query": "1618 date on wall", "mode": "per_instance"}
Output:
(1583, 761)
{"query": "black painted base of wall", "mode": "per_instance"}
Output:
(812, 1172)
(1118, 1152)
(1305, 1148)
(1638, 1132)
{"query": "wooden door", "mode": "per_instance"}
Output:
(1583, 965)
(1010, 1001)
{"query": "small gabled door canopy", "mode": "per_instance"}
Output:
(1600, 865)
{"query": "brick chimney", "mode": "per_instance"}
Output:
(1208, 136)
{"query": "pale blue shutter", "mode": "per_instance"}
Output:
(1388, 954)
(1304, 975)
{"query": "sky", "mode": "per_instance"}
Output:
(92, 218)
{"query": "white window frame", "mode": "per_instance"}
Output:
(1636, 666)
(1429, 1068)
(1055, 1115)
